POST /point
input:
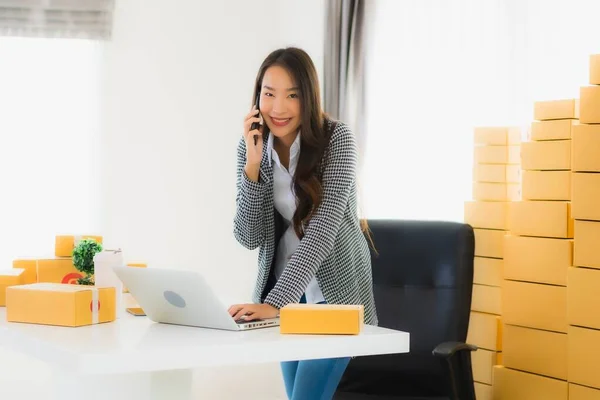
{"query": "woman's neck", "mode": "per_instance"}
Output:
(286, 141)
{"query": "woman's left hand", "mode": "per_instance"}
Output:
(251, 312)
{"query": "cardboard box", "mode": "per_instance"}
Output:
(584, 353)
(57, 270)
(64, 244)
(589, 108)
(9, 278)
(585, 148)
(488, 271)
(30, 267)
(585, 246)
(586, 195)
(551, 219)
(321, 319)
(577, 392)
(552, 155)
(486, 214)
(496, 135)
(595, 69)
(546, 185)
(497, 155)
(497, 173)
(516, 385)
(485, 191)
(552, 129)
(483, 391)
(482, 362)
(539, 260)
(487, 299)
(533, 305)
(60, 304)
(485, 331)
(489, 243)
(556, 109)
(583, 297)
(536, 351)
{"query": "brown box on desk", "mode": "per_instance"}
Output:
(488, 271)
(487, 299)
(536, 351)
(535, 305)
(487, 214)
(497, 155)
(552, 155)
(487, 191)
(585, 148)
(556, 109)
(541, 218)
(516, 385)
(485, 331)
(497, 173)
(489, 243)
(546, 185)
(585, 251)
(589, 109)
(540, 260)
(496, 135)
(552, 129)
(584, 353)
(483, 391)
(586, 195)
(583, 297)
(483, 362)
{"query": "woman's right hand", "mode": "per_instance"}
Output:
(253, 152)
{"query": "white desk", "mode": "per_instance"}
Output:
(135, 358)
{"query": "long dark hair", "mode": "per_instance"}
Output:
(316, 131)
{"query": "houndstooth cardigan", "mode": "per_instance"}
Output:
(333, 248)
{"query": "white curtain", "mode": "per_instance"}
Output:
(438, 68)
(49, 129)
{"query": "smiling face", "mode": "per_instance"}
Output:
(280, 103)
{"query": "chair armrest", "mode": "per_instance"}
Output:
(456, 362)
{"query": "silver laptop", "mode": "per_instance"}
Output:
(182, 298)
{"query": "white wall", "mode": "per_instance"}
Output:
(178, 81)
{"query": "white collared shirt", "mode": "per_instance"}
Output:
(285, 203)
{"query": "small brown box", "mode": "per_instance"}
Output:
(486, 214)
(584, 353)
(595, 69)
(590, 105)
(497, 155)
(551, 155)
(556, 109)
(528, 304)
(583, 297)
(510, 384)
(541, 218)
(496, 135)
(487, 299)
(485, 331)
(585, 251)
(483, 391)
(488, 271)
(483, 362)
(585, 148)
(546, 185)
(586, 195)
(552, 129)
(485, 191)
(489, 243)
(497, 173)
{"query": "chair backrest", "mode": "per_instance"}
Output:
(422, 280)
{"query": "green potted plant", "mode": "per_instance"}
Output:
(83, 259)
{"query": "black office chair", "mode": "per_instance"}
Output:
(422, 279)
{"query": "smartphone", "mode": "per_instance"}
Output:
(137, 311)
(255, 125)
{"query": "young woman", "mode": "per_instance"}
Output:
(297, 201)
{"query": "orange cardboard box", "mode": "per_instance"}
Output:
(483, 362)
(488, 271)
(536, 351)
(584, 352)
(60, 304)
(552, 129)
(321, 319)
(496, 135)
(583, 297)
(485, 331)
(595, 69)
(516, 385)
(585, 148)
(586, 195)
(487, 299)
(585, 251)
(57, 270)
(64, 244)
(497, 155)
(577, 392)
(551, 155)
(546, 185)
(489, 243)
(9, 278)
(541, 218)
(589, 107)
(486, 191)
(486, 214)
(556, 109)
(540, 260)
(534, 305)
(30, 269)
(497, 173)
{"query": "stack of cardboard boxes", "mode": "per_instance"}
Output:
(583, 291)
(496, 177)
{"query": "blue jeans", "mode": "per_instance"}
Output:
(313, 379)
